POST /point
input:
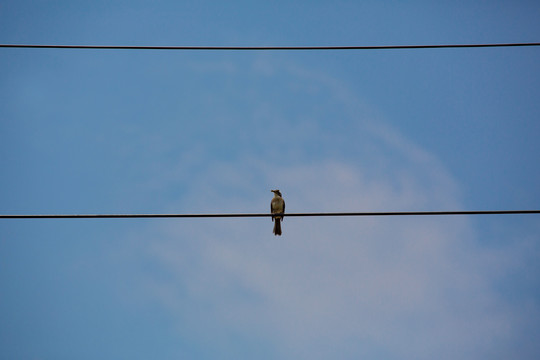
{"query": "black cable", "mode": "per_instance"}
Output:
(259, 48)
(389, 213)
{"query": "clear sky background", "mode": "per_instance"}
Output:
(104, 131)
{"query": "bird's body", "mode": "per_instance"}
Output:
(277, 206)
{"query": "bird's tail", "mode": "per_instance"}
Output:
(277, 226)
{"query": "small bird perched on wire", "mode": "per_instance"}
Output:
(277, 206)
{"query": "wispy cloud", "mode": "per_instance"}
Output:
(392, 288)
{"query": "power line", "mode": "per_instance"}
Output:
(263, 48)
(388, 213)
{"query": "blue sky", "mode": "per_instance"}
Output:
(86, 131)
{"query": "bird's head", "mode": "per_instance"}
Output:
(277, 192)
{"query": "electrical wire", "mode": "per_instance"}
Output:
(388, 213)
(263, 48)
(259, 48)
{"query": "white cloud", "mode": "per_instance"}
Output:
(379, 287)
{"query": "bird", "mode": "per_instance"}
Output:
(277, 206)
